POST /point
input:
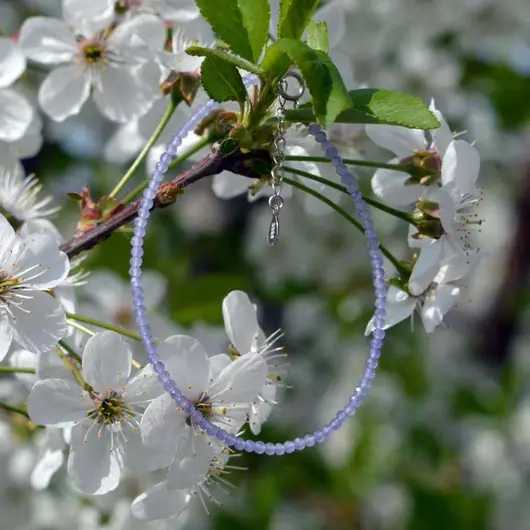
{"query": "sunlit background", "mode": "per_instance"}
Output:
(443, 439)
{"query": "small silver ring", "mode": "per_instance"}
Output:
(301, 87)
(275, 202)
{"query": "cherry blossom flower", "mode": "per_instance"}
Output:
(29, 267)
(409, 145)
(19, 195)
(431, 289)
(220, 389)
(105, 420)
(115, 63)
(246, 337)
(455, 201)
(160, 502)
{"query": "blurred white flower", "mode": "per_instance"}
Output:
(161, 502)
(105, 421)
(431, 290)
(116, 63)
(174, 10)
(16, 112)
(246, 337)
(221, 389)
(29, 267)
(19, 195)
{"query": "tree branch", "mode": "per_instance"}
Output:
(253, 164)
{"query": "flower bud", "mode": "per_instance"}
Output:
(424, 167)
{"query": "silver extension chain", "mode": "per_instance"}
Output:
(278, 152)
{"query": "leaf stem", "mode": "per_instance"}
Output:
(350, 161)
(174, 101)
(104, 325)
(346, 216)
(407, 217)
(16, 370)
(70, 359)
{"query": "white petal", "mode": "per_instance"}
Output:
(389, 186)
(29, 145)
(39, 323)
(107, 290)
(12, 62)
(458, 266)
(460, 168)
(16, 114)
(399, 140)
(42, 249)
(425, 269)
(190, 467)
(143, 387)
(240, 381)
(106, 361)
(149, 30)
(160, 503)
(50, 366)
(95, 463)
(447, 210)
(124, 144)
(178, 10)
(227, 185)
(163, 425)
(187, 362)
(88, 17)
(64, 92)
(218, 363)
(241, 322)
(6, 337)
(140, 458)
(442, 136)
(399, 307)
(261, 408)
(180, 62)
(155, 288)
(24, 359)
(7, 240)
(47, 40)
(58, 402)
(50, 459)
(120, 96)
(41, 227)
(437, 305)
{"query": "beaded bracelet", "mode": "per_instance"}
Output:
(376, 343)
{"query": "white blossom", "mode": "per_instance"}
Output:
(222, 390)
(104, 420)
(161, 502)
(115, 63)
(246, 337)
(29, 267)
(394, 186)
(19, 195)
(180, 11)
(431, 290)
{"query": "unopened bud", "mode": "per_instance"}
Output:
(431, 228)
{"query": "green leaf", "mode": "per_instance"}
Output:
(294, 17)
(242, 24)
(323, 80)
(372, 105)
(317, 36)
(222, 81)
(228, 57)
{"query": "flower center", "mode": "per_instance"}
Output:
(93, 51)
(109, 409)
(7, 283)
